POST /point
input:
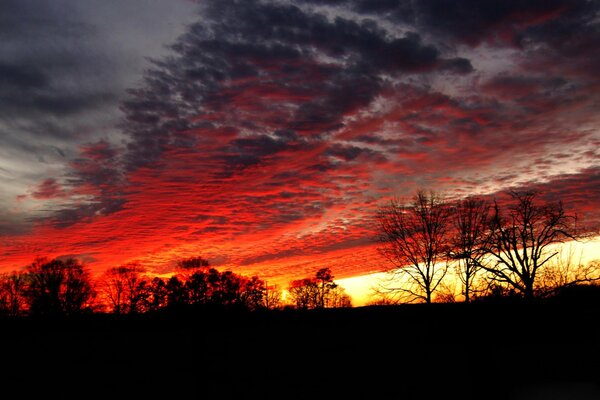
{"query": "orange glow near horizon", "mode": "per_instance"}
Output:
(360, 288)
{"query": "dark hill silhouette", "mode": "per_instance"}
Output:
(436, 351)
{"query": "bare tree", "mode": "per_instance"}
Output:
(273, 298)
(470, 218)
(125, 289)
(319, 291)
(447, 292)
(522, 235)
(338, 298)
(113, 289)
(304, 293)
(413, 239)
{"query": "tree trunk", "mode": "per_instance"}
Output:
(467, 287)
(528, 293)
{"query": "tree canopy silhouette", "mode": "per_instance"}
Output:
(127, 289)
(13, 293)
(56, 287)
(319, 291)
(124, 288)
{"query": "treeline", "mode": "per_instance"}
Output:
(493, 248)
(65, 288)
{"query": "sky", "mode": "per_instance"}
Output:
(263, 135)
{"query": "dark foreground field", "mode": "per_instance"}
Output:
(445, 351)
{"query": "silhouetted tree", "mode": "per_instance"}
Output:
(468, 241)
(337, 298)
(304, 293)
(273, 298)
(113, 289)
(226, 289)
(414, 240)
(325, 284)
(198, 288)
(13, 293)
(446, 293)
(157, 296)
(58, 287)
(253, 293)
(125, 289)
(317, 292)
(211, 287)
(176, 292)
(521, 237)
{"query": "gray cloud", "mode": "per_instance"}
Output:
(274, 45)
(64, 69)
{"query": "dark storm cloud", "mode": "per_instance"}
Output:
(21, 77)
(569, 27)
(241, 47)
(474, 21)
(53, 87)
(248, 151)
(45, 52)
(64, 67)
(365, 44)
(248, 69)
(352, 153)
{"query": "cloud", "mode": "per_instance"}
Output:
(48, 189)
(248, 54)
(64, 69)
(580, 194)
(21, 77)
(269, 132)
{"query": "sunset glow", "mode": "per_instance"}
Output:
(263, 135)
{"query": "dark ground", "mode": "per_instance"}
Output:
(441, 351)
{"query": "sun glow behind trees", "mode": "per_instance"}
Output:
(363, 289)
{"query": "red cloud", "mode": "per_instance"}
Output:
(49, 189)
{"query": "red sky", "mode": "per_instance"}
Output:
(266, 136)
